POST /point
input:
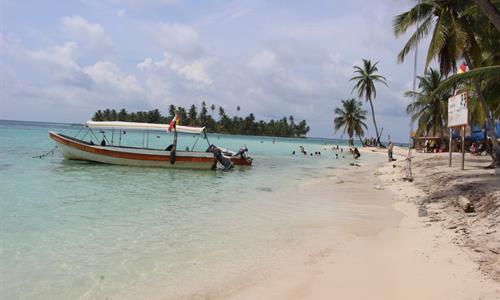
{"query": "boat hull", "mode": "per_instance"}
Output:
(74, 149)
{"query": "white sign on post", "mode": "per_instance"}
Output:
(457, 110)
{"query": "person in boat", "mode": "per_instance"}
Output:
(356, 153)
(103, 142)
(169, 148)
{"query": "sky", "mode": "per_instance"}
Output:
(60, 61)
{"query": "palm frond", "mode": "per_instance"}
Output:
(480, 74)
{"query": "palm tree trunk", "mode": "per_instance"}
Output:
(495, 153)
(374, 122)
(490, 11)
(361, 140)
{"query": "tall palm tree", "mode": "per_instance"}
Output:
(453, 37)
(365, 79)
(429, 110)
(451, 33)
(212, 108)
(351, 117)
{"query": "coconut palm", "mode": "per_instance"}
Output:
(490, 11)
(451, 33)
(365, 79)
(453, 37)
(351, 117)
(428, 109)
(212, 108)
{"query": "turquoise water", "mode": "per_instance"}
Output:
(81, 230)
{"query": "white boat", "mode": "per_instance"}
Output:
(107, 152)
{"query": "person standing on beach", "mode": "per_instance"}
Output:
(389, 151)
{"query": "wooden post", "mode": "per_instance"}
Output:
(450, 146)
(463, 147)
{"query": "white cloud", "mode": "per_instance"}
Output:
(121, 12)
(195, 71)
(147, 2)
(90, 35)
(178, 39)
(107, 75)
(263, 61)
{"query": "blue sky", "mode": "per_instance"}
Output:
(62, 60)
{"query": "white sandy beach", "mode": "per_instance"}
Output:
(397, 254)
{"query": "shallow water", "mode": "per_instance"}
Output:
(82, 230)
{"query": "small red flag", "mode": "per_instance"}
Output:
(173, 122)
(462, 69)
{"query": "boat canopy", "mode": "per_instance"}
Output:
(141, 126)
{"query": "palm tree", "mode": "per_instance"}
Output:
(351, 116)
(428, 110)
(451, 34)
(365, 78)
(212, 108)
(490, 11)
(453, 37)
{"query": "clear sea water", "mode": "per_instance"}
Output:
(77, 230)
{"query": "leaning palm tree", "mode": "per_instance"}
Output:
(453, 37)
(365, 79)
(428, 109)
(351, 117)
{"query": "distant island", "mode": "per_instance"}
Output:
(284, 127)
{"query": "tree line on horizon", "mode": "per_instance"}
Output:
(465, 35)
(284, 127)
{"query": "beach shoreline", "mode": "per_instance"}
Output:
(409, 257)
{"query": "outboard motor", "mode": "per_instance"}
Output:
(223, 160)
(242, 152)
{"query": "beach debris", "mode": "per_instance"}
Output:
(339, 181)
(422, 211)
(409, 179)
(377, 173)
(378, 187)
(355, 165)
(465, 204)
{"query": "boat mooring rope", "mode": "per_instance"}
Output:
(51, 152)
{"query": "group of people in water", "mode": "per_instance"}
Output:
(353, 150)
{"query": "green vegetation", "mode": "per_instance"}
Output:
(461, 30)
(429, 110)
(285, 127)
(351, 116)
(365, 79)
